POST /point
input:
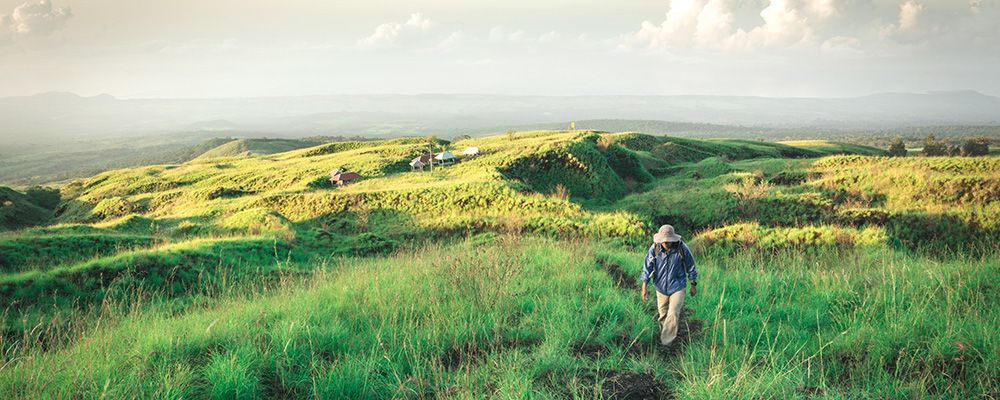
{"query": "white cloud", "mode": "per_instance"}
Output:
(450, 43)
(841, 45)
(783, 26)
(33, 19)
(715, 21)
(549, 37)
(708, 25)
(910, 27)
(503, 34)
(909, 15)
(823, 8)
(389, 33)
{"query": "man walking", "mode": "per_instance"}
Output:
(670, 265)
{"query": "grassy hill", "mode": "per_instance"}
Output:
(826, 147)
(509, 274)
(20, 210)
(246, 147)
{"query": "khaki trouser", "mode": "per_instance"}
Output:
(669, 308)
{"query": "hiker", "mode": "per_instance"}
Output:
(670, 265)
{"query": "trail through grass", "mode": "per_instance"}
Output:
(536, 317)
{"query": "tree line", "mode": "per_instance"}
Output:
(934, 147)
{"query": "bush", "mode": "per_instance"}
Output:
(810, 237)
(975, 147)
(934, 147)
(897, 148)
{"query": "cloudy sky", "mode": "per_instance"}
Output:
(237, 48)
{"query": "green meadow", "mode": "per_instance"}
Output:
(828, 270)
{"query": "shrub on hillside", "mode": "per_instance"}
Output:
(812, 237)
(747, 190)
(897, 148)
(934, 147)
(975, 147)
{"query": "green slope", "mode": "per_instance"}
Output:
(510, 274)
(245, 147)
(17, 210)
(826, 147)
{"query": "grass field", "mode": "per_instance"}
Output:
(510, 274)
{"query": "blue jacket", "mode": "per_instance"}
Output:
(669, 270)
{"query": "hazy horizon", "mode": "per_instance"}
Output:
(401, 94)
(756, 48)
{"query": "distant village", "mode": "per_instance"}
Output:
(343, 177)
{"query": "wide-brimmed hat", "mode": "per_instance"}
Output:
(666, 234)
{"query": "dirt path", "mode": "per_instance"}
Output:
(629, 384)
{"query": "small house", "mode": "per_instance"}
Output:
(471, 151)
(418, 164)
(340, 177)
(445, 158)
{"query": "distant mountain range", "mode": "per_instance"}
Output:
(58, 116)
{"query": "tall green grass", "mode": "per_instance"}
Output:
(541, 318)
(510, 274)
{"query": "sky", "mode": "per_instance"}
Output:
(249, 48)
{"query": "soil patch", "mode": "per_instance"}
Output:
(629, 385)
(471, 352)
(592, 350)
(613, 384)
(622, 279)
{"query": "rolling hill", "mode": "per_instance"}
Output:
(246, 147)
(512, 273)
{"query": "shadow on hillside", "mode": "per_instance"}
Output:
(358, 233)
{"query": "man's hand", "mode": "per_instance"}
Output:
(645, 294)
(694, 289)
